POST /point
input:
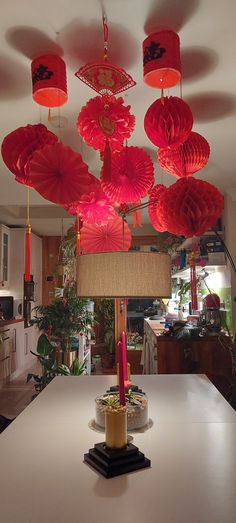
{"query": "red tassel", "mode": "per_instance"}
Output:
(107, 162)
(78, 244)
(27, 252)
(137, 216)
(193, 281)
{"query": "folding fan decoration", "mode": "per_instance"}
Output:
(114, 236)
(132, 176)
(59, 174)
(19, 145)
(105, 77)
(93, 207)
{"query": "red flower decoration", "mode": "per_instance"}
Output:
(105, 117)
(59, 174)
(168, 122)
(19, 145)
(186, 159)
(152, 206)
(115, 236)
(132, 175)
(189, 207)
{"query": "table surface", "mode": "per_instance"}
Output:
(191, 444)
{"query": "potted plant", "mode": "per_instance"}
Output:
(105, 330)
(64, 319)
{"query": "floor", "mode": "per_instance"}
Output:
(17, 394)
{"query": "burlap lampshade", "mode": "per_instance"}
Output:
(124, 274)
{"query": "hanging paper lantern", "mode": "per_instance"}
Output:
(115, 236)
(186, 159)
(59, 174)
(132, 175)
(95, 208)
(154, 196)
(189, 207)
(161, 59)
(168, 122)
(19, 145)
(105, 118)
(49, 80)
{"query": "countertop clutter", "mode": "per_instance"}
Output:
(190, 441)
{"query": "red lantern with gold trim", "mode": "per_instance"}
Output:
(49, 80)
(168, 122)
(161, 59)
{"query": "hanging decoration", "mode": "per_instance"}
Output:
(189, 207)
(27, 276)
(59, 174)
(105, 77)
(186, 159)
(137, 215)
(105, 118)
(95, 208)
(168, 122)
(132, 175)
(161, 59)
(19, 145)
(114, 236)
(193, 279)
(78, 224)
(154, 195)
(49, 80)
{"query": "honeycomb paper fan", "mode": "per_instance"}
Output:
(114, 236)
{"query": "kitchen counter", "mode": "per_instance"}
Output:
(3, 323)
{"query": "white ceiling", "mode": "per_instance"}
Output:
(74, 29)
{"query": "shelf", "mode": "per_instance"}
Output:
(190, 242)
(184, 274)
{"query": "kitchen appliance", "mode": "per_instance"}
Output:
(6, 307)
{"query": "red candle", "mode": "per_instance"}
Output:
(124, 351)
(121, 375)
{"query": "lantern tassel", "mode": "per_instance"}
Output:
(27, 252)
(137, 216)
(78, 242)
(107, 162)
(193, 281)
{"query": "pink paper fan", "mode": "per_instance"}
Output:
(132, 175)
(59, 174)
(95, 208)
(152, 207)
(114, 236)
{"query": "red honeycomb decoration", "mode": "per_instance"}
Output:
(186, 159)
(168, 122)
(189, 207)
(152, 206)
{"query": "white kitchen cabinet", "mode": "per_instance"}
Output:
(4, 257)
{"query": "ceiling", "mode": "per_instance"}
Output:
(73, 28)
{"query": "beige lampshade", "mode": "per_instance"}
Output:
(124, 274)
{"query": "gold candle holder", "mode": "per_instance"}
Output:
(116, 427)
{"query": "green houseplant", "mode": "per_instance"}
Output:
(105, 329)
(64, 318)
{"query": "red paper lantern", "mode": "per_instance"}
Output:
(168, 122)
(105, 118)
(161, 59)
(152, 206)
(59, 174)
(186, 159)
(132, 175)
(189, 207)
(115, 236)
(49, 80)
(19, 145)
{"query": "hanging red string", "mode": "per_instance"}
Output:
(137, 216)
(78, 242)
(27, 243)
(105, 37)
(193, 280)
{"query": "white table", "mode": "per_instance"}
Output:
(192, 447)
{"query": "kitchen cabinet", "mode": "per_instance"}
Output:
(15, 355)
(4, 257)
